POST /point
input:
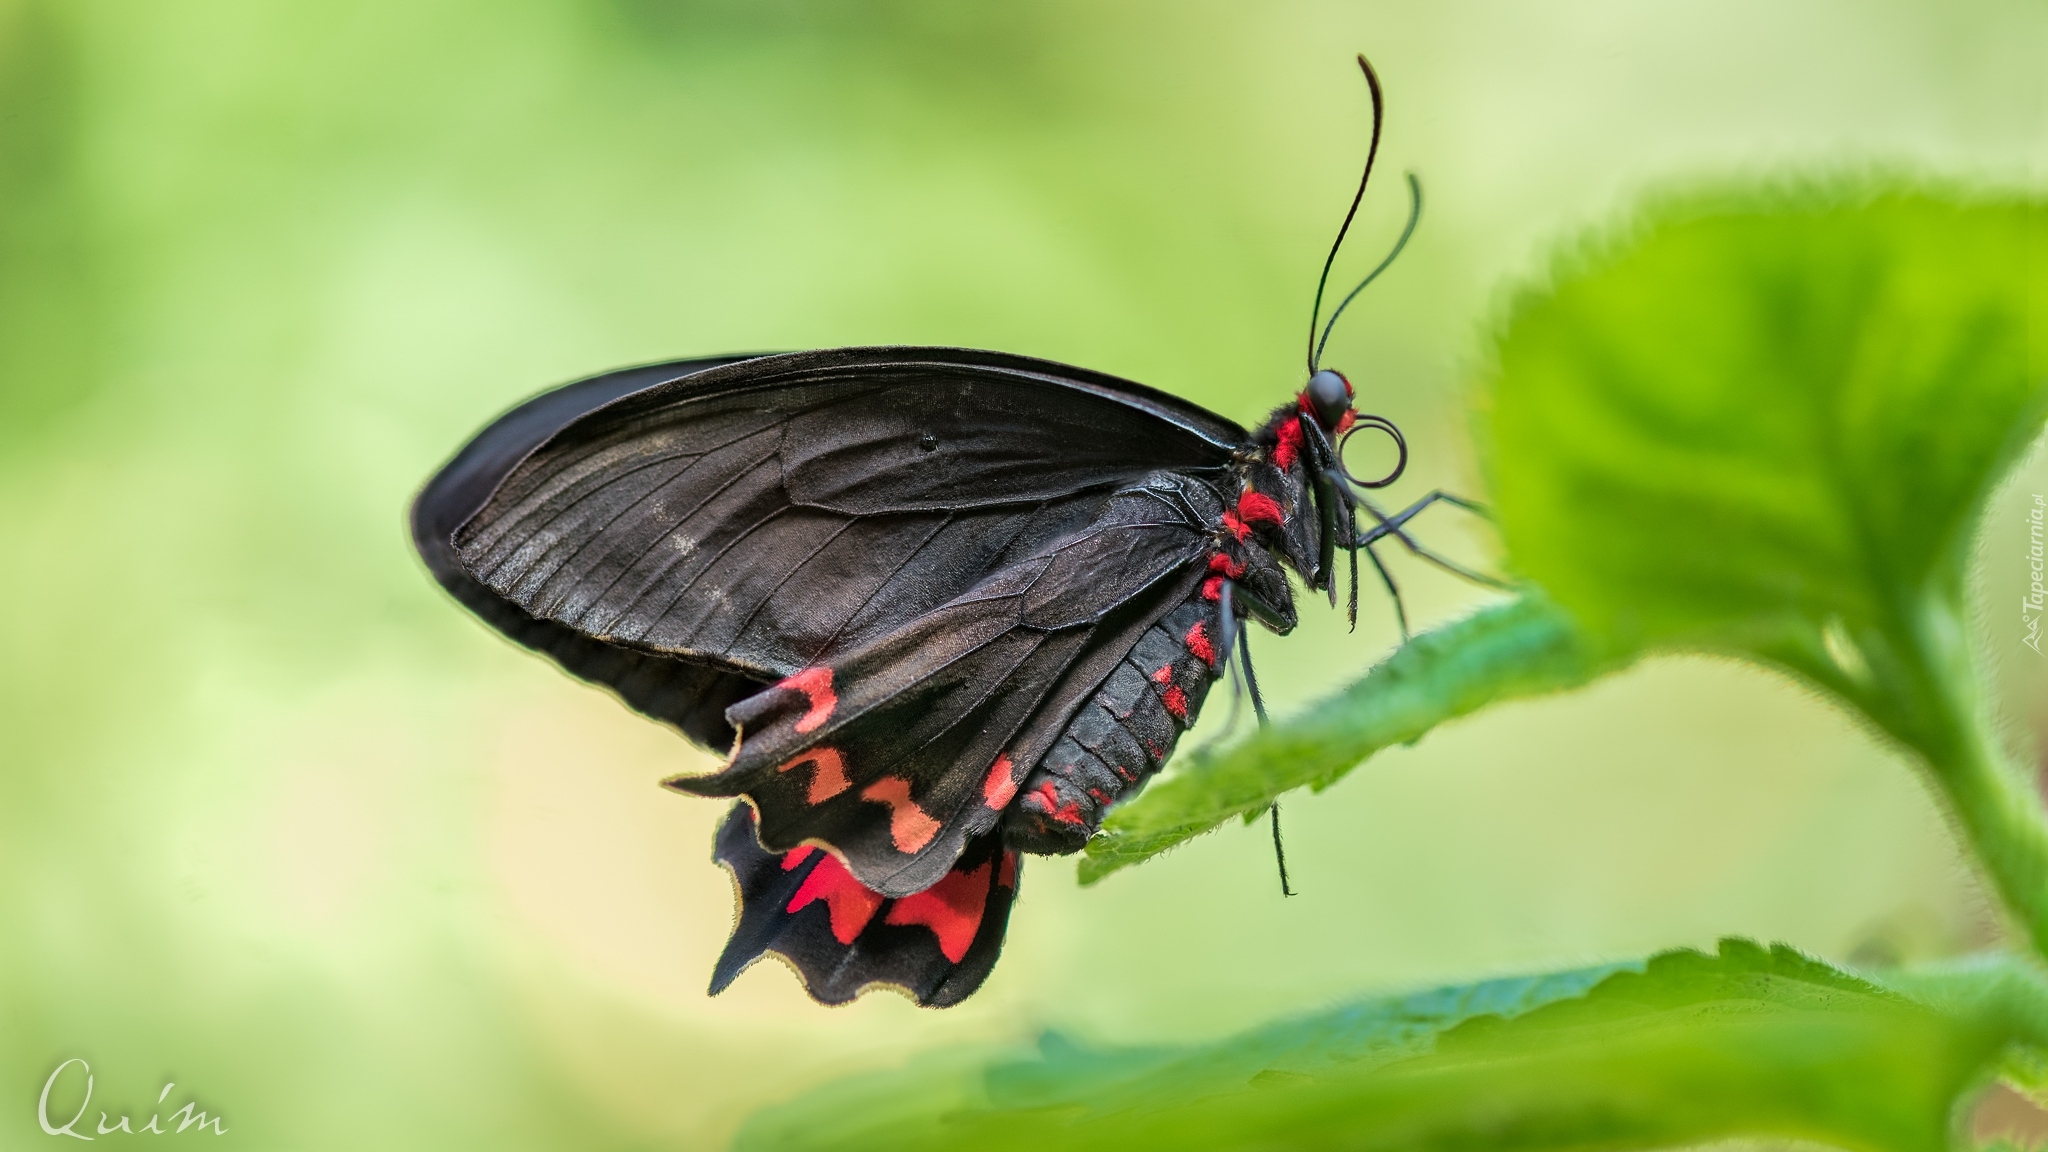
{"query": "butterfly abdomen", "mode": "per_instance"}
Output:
(1122, 735)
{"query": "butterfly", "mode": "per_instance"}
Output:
(940, 608)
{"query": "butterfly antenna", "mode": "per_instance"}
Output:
(1407, 230)
(1315, 315)
(1251, 680)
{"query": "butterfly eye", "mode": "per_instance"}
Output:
(1329, 394)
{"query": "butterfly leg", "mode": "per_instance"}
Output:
(1392, 526)
(1251, 679)
(1393, 590)
(1226, 631)
(1351, 533)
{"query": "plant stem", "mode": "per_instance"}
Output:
(2002, 817)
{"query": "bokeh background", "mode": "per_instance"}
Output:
(280, 824)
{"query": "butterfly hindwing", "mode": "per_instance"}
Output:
(899, 752)
(937, 945)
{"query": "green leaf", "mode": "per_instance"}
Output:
(1519, 648)
(1766, 427)
(1682, 1048)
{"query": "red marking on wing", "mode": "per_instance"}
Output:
(1008, 876)
(1259, 508)
(1176, 702)
(816, 685)
(851, 903)
(1212, 588)
(796, 856)
(910, 826)
(1198, 642)
(951, 908)
(1068, 813)
(1288, 450)
(1001, 784)
(1224, 564)
(828, 773)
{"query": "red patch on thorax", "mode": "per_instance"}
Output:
(851, 903)
(910, 826)
(816, 685)
(1259, 508)
(1001, 784)
(951, 908)
(1224, 564)
(1288, 450)
(1212, 588)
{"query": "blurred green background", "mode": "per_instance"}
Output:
(280, 824)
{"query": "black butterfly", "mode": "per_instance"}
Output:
(942, 606)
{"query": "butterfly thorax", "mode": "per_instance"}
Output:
(1128, 727)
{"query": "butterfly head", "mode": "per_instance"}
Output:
(1328, 399)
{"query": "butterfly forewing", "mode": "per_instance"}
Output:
(715, 515)
(691, 694)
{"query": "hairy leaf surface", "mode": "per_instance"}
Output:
(1520, 648)
(1684, 1047)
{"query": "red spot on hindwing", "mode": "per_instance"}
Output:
(828, 773)
(952, 909)
(796, 856)
(1008, 876)
(1198, 642)
(910, 826)
(1001, 783)
(851, 903)
(816, 686)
